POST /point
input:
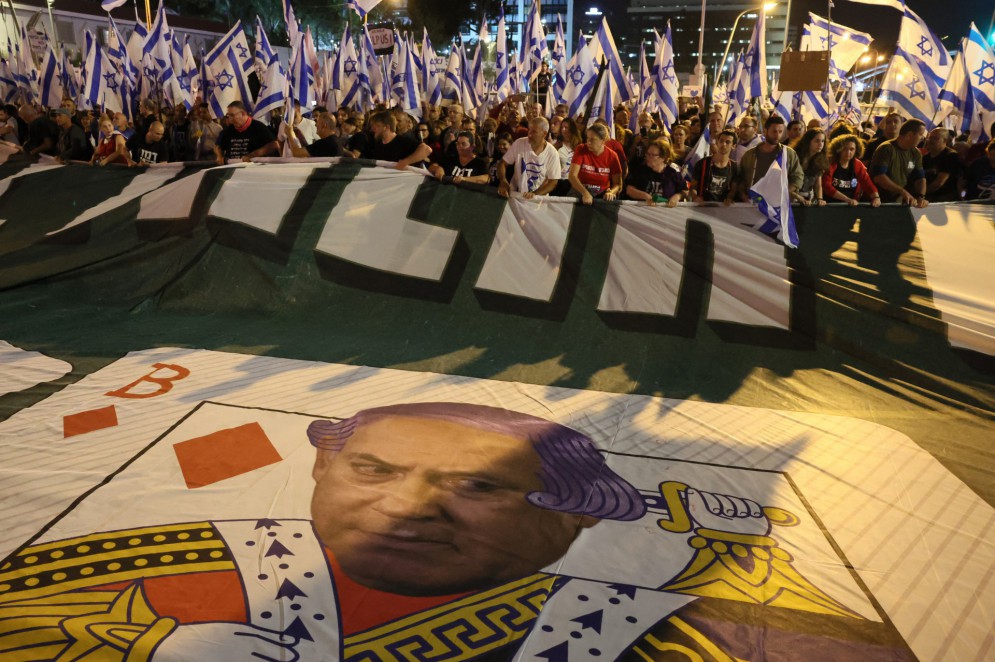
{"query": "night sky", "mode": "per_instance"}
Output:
(949, 19)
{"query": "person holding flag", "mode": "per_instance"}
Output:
(758, 160)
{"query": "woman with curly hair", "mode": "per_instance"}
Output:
(847, 179)
(811, 150)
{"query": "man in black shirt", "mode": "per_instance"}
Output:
(149, 148)
(356, 141)
(942, 167)
(327, 143)
(43, 134)
(73, 145)
(887, 130)
(388, 146)
(542, 81)
(716, 177)
(244, 138)
(465, 166)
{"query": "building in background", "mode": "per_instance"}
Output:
(642, 16)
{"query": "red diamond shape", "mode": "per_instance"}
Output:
(88, 421)
(224, 454)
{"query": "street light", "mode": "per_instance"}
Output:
(722, 65)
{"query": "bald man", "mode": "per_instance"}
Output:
(150, 148)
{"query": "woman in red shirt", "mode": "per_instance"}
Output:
(595, 172)
(847, 179)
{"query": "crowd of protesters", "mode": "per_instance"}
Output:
(516, 148)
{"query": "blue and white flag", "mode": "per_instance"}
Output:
(301, 76)
(980, 63)
(915, 39)
(582, 75)
(293, 26)
(780, 101)
(955, 97)
(665, 83)
(96, 70)
(362, 7)
(8, 86)
(346, 73)
(370, 74)
(26, 73)
(847, 45)
(406, 79)
(739, 90)
(815, 105)
(111, 5)
(905, 86)
(135, 44)
(533, 49)
(502, 67)
(452, 86)
(264, 53)
(51, 82)
(559, 58)
(70, 78)
(773, 200)
(234, 39)
(603, 106)
(272, 93)
(756, 59)
(602, 44)
(701, 149)
(230, 84)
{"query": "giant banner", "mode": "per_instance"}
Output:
(326, 410)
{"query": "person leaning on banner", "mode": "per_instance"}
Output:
(757, 161)
(897, 167)
(595, 171)
(887, 130)
(112, 147)
(656, 179)
(43, 134)
(980, 176)
(73, 145)
(941, 165)
(387, 145)
(327, 143)
(535, 162)
(9, 131)
(811, 151)
(716, 178)
(847, 179)
(356, 140)
(466, 166)
(244, 138)
(149, 148)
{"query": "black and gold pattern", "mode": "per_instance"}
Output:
(117, 556)
(460, 630)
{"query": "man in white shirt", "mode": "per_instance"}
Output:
(535, 162)
(748, 137)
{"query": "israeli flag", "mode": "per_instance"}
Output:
(51, 82)
(431, 90)
(70, 78)
(603, 45)
(111, 5)
(346, 72)
(847, 44)
(773, 200)
(915, 39)
(453, 83)
(230, 84)
(603, 106)
(905, 86)
(979, 61)
(534, 50)
(362, 7)
(272, 93)
(264, 53)
(217, 58)
(559, 56)
(370, 75)
(8, 86)
(95, 71)
(301, 76)
(582, 74)
(293, 26)
(701, 149)
(756, 59)
(778, 100)
(665, 83)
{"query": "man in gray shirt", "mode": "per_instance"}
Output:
(757, 161)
